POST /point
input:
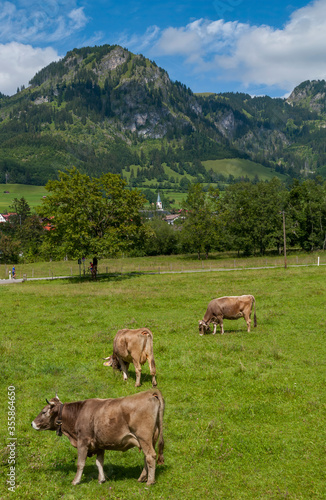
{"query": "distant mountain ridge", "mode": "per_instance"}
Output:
(104, 109)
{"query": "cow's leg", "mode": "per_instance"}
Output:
(82, 455)
(143, 476)
(150, 463)
(99, 463)
(124, 368)
(152, 370)
(248, 321)
(220, 322)
(137, 366)
(215, 326)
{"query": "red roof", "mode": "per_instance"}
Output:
(6, 216)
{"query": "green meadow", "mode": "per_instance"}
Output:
(32, 194)
(239, 167)
(245, 412)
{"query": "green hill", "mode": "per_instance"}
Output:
(105, 109)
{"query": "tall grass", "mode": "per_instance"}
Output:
(245, 412)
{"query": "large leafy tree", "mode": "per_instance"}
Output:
(306, 208)
(200, 230)
(251, 215)
(92, 215)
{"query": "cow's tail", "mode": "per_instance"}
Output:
(255, 319)
(157, 394)
(147, 338)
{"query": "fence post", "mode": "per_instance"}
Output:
(318, 261)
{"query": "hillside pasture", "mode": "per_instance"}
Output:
(32, 194)
(245, 412)
(239, 167)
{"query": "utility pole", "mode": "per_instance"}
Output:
(284, 238)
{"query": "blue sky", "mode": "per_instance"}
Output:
(254, 46)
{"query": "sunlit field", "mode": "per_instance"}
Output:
(245, 412)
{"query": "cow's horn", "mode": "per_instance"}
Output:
(48, 402)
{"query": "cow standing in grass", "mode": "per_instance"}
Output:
(233, 307)
(133, 346)
(96, 425)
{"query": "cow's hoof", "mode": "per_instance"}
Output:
(149, 483)
(101, 481)
(142, 478)
(74, 482)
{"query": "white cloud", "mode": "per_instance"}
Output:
(139, 42)
(78, 18)
(51, 20)
(19, 63)
(259, 55)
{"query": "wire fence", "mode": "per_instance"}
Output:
(157, 265)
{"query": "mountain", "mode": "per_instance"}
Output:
(104, 109)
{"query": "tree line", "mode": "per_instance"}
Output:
(102, 216)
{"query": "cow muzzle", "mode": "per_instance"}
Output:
(35, 426)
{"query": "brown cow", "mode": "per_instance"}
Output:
(96, 425)
(133, 346)
(228, 308)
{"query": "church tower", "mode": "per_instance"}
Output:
(159, 203)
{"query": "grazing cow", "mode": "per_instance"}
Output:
(228, 308)
(96, 425)
(133, 346)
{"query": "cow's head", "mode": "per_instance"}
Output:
(45, 420)
(203, 327)
(112, 361)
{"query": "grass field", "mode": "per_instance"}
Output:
(32, 194)
(239, 167)
(245, 412)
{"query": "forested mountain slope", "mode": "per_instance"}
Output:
(104, 109)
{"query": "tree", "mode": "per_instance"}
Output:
(92, 215)
(22, 211)
(306, 210)
(9, 249)
(250, 214)
(200, 230)
(163, 239)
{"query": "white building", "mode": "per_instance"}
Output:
(159, 205)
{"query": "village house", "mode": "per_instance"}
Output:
(6, 217)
